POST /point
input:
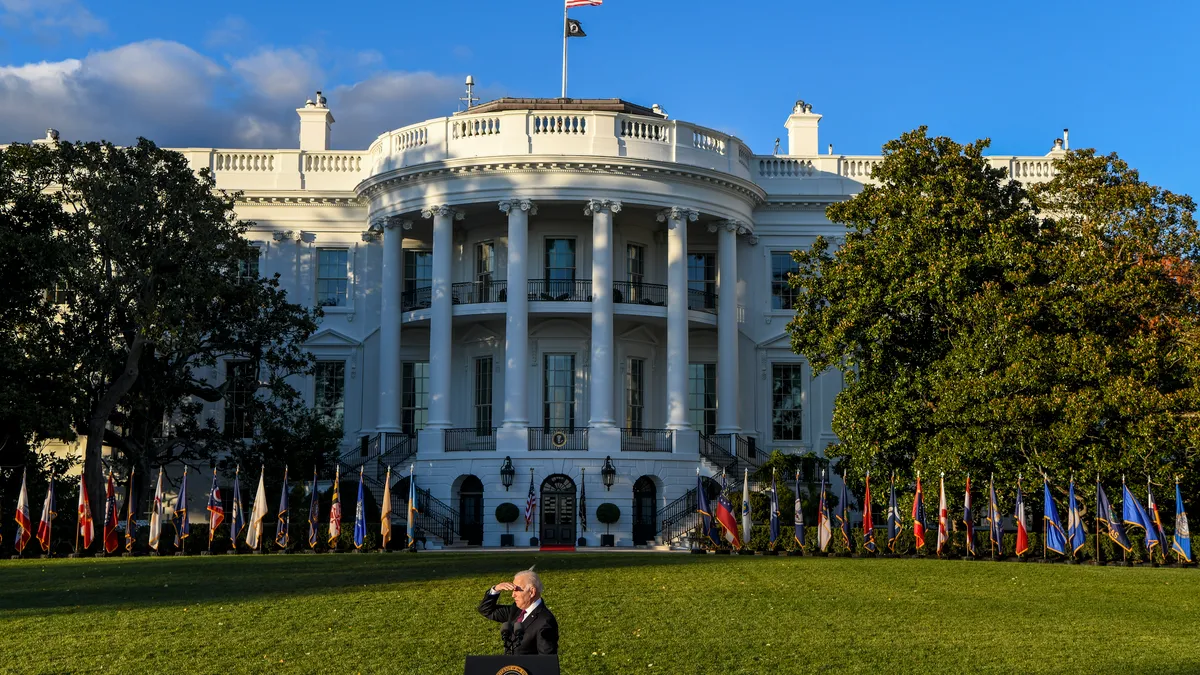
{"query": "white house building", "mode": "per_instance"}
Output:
(548, 288)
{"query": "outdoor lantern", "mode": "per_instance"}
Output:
(609, 473)
(506, 473)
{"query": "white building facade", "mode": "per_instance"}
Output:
(557, 287)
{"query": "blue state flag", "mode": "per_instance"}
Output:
(995, 527)
(237, 521)
(1051, 525)
(283, 520)
(1075, 531)
(798, 516)
(708, 528)
(895, 524)
(1104, 515)
(360, 516)
(774, 523)
(183, 525)
(1182, 542)
(1133, 514)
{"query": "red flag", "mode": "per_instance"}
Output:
(918, 514)
(24, 524)
(86, 529)
(1022, 527)
(111, 542)
(49, 511)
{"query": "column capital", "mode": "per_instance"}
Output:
(443, 211)
(284, 235)
(753, 240)
(677, 214)
(507, 205)
(372, 235)
(392, 222)
(595, 205)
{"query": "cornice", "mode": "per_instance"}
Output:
(301, 198)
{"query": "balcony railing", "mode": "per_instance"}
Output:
(419, 298)
(561, 290)
(475, 292)
(646, 440)
(639, 293)
(703, 301)
(565, 438)
(471, 440)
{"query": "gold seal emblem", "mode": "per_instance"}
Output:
(558, 439)
(512, 670)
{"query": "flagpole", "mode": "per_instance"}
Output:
(564, 32)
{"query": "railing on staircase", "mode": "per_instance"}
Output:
(378, 452)
(679, 519)
(731, 453)
(435, 517)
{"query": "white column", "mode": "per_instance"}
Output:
(677, 315)
(516, 335)
(727, 330)
(440, 328)
(603, 370)
(389, 320)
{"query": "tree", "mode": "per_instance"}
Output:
(985, 327)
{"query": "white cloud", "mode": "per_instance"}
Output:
(279, 73)
(46, 18)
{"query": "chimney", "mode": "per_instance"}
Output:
(1066, 139)
(315, 119)
(802, 130)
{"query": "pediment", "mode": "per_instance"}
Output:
(781, 341)
(480, 333)
(331, 338)
(640, 334)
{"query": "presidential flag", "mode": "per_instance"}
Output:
(530, 503)
(843, 514)
(49, 511)
(995, 528)
(216, 510)
(1181, 543)
(798, 516)
(943, 534)
(868, 517)
(183, 526)
(283, 522)
(1155, 518)
(895, 524)
(969, 519)
(1105, 515)
(1052, 530)
(130, 514)
(726, 518)
(1075, 532)
(774, 524)
(335, 510)
(1022, 521)
(86, 529)
(746, 520)
(237, 522)
(412, 504)
(360, 515)
(156, 513)
(25, 525)
(314, 514)
(385, 517)
(1134, 515)
(824, 529)
(258, 512)
(708, 526)
(111, 515)
(918, 515)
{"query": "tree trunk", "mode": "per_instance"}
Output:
(93, 470)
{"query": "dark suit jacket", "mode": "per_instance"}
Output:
(540, 627)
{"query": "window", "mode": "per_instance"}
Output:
(783, 296)
(241, 379)
(702, 281)
(635, 394)
(248, 267)
(414, 396)
(560, 268)
(702, 397)
(635, 263)
(61, 293)
(558, 392)
(483, 396)
(329, 395)
(787, 400)
(418, 278)
(485, 261)
(333, 278)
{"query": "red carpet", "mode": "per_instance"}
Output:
(557, 547)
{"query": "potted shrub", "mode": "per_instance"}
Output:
(507, 513)
(608, 514)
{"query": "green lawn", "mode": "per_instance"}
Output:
(618, 613)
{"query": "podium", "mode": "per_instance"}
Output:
(546, 664)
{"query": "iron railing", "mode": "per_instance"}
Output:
(647, 440)
(551, 438)
(731, 452)
(418, 298)
(475, 292)
(379, 451)
(679, 518)
(639, 293)
(469, 440)
(702, 301)
(435, 516)
(562, 290)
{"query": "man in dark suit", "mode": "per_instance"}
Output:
(527, 627)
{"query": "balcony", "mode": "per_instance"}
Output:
(646, 440)
(475, 439)
(640, 293)
(553, 439)
(560, 290)
(418, 298)
(475, 292)
(702, 301)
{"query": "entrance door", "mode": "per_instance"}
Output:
(645, 510)
(558, 510)
(470, 511)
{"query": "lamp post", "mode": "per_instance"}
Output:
(507, 472)
(608, 474)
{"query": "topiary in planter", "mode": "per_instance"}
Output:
(507, 513)
(608, 514)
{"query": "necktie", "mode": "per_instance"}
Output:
(521, 618)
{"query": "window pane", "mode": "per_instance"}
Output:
(783, 296)
(702, 397)
(485, 260)
(560, 259)
(243, 382)
(635, 390)
(333, 282)
(418, 270)
(483, 396)
(330, 394)
(787, 396)
(559, 391)
(414, 396)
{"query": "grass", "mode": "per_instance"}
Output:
(619, 613)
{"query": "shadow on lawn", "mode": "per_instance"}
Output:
(70, 585)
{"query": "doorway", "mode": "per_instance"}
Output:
(645, 510)
(558, 510)
(470, 511)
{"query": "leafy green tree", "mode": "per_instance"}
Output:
(983, 327)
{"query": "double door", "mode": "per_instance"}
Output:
(558, 510)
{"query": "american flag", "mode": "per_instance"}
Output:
(583, 3)
(530, 503)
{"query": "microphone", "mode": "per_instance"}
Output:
(506, 634)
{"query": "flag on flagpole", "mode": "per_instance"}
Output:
(156, 513)
(574, 29)
(258, 512)
(412, 504)
(918, 515)
(995, 527)
(798, 516)
(1105, 515)
(237, 521)
(843, 515)
(583, 503)
(111, 543)
(868, 518)
(1022, 521)
(1181, 543)
(943, 534)
(747, 523)
(1075, 532)
(283, 522)
(530, 502)
(25, 525)
(725, 516)
(1155, 518)
(130, 514)
(49, 511)
(86, 529)
(314, 514)
(335, 510)
(774, 522)
(183, 526)
(824, 529)
(707, 522)
(1133, 514)
(583, 3)
(969, 519)
(895, 524)
(360, 515)
(385, 517)
(216, 510)
(1052, 530)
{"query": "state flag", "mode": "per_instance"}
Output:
(183, 526)
(868, 518)
(1075, 532)
(1112, 525)
(111, 516)
(774, 523)
(49, 511)
(1022, 521)
(283, 521)
(258, 513)
(1134, 515)
(943, 534)
(314, 514)
(918, 515)
(1181, 543)
(130, 514)
(385, 517)
(87, 530)
(412, 504)
(995, 528)
(726, 518)
(156, 513)
(798, 516)
(824, 529)
(708, 526)
(335, 510)
(216, 510)
(1155, 518)
(237, 521)
(747, 523)
(25, 525)
(360, 515)
(1052, 529)
(843, 514)
(969, 519)
(895, 524)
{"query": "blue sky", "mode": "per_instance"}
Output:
(1122, 76)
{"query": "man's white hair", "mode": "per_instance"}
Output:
(533, 578)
